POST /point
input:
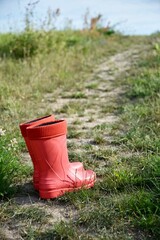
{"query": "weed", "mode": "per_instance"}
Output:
(92, 85)
(147, 85)
(73, 133)
(78, 95)
(9, 163)
(72, 108)
(19, 46)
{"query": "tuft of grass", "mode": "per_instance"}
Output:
(61, 231)
(18, 45)
(73, 133)
(146, 85)
(32, 213)
(11, 169)
(73, 108)
(78, 95)
(92, 85)
(98, 139)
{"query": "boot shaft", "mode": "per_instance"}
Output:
(23, 128)
(50, 148)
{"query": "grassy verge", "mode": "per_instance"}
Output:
(124, 204)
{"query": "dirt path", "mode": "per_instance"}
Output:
(93, 107)
(99, 98)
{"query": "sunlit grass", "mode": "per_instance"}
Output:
(125, 154)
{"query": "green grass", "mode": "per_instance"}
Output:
(129, 191)
(12, 171)
(124, 204)
(142, 135)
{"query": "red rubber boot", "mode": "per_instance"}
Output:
(23, 128)
(57, 175)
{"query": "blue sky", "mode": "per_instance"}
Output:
(132, 16)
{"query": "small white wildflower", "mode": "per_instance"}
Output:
(14, 141)
(12, 144)
(2, 132)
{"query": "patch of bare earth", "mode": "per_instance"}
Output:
(104, 96)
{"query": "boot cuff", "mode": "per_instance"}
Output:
(47, 130)
(37, 121)
(23, 128)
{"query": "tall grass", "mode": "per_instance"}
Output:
(12, 171)
(141, 175)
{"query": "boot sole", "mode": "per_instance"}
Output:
(59, 192)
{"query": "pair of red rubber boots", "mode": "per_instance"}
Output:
(53, 174)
